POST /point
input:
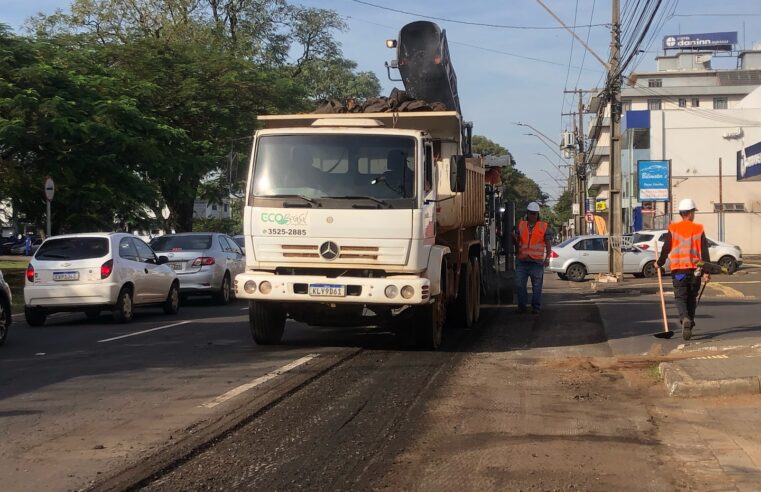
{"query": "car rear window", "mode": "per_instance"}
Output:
(73, 248)
(566, 242)
(181, 243)
(240, 241)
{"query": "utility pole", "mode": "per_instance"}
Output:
(581, 167)
(615, 219)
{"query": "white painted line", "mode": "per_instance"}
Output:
(145, 331)
(258, 381)
(244, 309)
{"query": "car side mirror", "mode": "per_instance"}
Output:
(163, 260)
(457, 173)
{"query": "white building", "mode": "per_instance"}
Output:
(694, 116)
(212, 210)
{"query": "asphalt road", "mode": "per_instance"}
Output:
(82, 398)
(79, 397)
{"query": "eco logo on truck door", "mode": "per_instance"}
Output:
(278, 223)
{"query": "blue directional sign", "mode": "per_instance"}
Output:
(654, 178)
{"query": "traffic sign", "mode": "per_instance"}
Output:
(590, 218)
(49, 189)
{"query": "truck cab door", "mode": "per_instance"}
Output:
(429, 195)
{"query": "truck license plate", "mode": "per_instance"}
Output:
(59, 276)
(327, 290)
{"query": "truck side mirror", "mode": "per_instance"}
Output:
(457, 173)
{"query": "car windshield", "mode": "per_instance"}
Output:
(321, 166)
(641, 238)
(182, 243)
(73, 248)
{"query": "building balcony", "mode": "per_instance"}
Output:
(598, 183)
(595, 129)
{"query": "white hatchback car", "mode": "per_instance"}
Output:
(91, 273)
(727, 255)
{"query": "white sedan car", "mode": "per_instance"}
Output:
(727, 255)
(91, 273)
(575, 258)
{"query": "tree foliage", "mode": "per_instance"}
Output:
(518, 187)
(131, 104)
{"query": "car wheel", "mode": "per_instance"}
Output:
(729, 263)
(123, 310)
(172, 303)
(5, 319)
(34, 317)
(649, 270)
(562, 276)
(576, 272)
(223, 296)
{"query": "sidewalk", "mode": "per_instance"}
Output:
(732, 371)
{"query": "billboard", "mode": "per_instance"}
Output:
(749, 163)
(710, 40)
(653, 179)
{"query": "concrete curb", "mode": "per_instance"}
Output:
(679, 383)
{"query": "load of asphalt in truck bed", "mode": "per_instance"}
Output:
(397, 101)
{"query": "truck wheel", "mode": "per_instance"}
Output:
(463, 305)
(429, 324)
(267, 323)
(476, 269)
(34, 317)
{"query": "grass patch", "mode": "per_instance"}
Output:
(11, 265)
(653, 372)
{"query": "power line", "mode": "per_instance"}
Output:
(468, 23)
(584, 53)
(718, 15)
(570, 58)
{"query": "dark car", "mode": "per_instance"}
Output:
(5, 308)
(20, 248)
(8, 243)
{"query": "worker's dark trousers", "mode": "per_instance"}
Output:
(686, 290)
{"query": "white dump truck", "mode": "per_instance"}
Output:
(367, 219)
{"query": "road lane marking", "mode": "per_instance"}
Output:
(258, 381)
(145, 331)
(726, 290)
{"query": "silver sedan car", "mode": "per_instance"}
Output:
(575, 258)
(205, 262)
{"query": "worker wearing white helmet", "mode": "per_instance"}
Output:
(685, 245)
(533, 239)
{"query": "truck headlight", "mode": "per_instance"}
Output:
(265, 287)
(408, 291)
(391, 291)
(249, 287)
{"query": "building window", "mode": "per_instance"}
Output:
(654, 104)
(626, 106)
(226, 207)
(655, 82)
(695, 102)
(214, 207)
(719, 103)
(682, 102)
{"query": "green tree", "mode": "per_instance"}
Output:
(518, 187)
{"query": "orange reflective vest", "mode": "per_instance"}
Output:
(685, 245)
(532, 246)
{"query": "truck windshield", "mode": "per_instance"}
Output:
(336, 166)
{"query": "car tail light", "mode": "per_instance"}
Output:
(30, 273)
(106, 269)
(643, 246)
(203, 261)
(553, 254)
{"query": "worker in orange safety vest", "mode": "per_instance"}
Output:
(533, 244)
(685, 245)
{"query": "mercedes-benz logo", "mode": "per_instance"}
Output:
(329, 250)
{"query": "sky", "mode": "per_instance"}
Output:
(497, 88)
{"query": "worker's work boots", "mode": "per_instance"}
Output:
(687, 325)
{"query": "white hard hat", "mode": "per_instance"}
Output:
(533, 207)
(687, 204)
